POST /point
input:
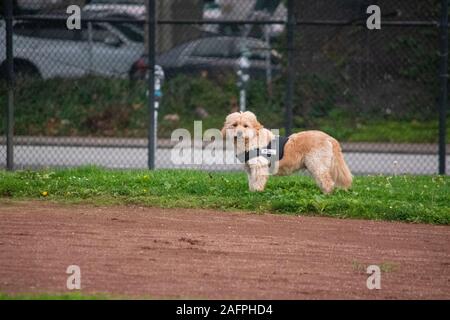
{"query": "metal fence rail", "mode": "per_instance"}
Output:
(82, 97)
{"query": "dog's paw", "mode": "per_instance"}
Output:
(256, 188)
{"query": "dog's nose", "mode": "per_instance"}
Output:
(239, 133)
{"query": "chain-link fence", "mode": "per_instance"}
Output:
(81, 95)
(376, 90)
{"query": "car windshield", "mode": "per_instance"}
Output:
(258, 49)
(52, 30)
(170, 57)
(133, 32)
(213, 48)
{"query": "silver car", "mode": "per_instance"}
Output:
(48, 49)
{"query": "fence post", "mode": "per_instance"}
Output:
(151, 33)
(10, 84)
(443, 77)
(290, 67)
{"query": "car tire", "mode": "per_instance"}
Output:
(136, 74)
(25, 70)
(22, 69)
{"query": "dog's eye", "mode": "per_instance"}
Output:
(245, 126)
(235, 125)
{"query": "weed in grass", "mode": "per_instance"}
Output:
(385, 267)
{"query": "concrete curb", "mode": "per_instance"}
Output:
(369, 147)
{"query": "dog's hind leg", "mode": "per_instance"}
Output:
(325, 181)
(319, 165)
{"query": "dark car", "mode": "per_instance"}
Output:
(213, 56)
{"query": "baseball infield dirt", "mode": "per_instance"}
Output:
(180, 253)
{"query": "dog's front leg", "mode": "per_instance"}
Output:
(258, 174)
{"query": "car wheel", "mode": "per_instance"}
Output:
(24, 70)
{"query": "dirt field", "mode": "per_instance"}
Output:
(179, 253)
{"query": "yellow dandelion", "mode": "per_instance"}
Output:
(44, 193)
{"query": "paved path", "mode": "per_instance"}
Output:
(136, 157)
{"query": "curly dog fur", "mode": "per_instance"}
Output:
(313, 150)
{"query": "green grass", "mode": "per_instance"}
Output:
(395, 131)
(385, 267)
(400, 198)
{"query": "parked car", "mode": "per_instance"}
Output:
(124, 8)
(213, 56)
(244, 10)
(32, 6)
(48, 49)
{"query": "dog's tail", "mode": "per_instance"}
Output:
(339, 170)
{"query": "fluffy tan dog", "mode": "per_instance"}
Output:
(314, 151)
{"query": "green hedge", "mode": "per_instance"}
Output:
(118, 108)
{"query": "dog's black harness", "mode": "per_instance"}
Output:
(275, 148)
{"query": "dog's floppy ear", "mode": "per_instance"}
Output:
(228, 119)
(258, 126)
(255, 123)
